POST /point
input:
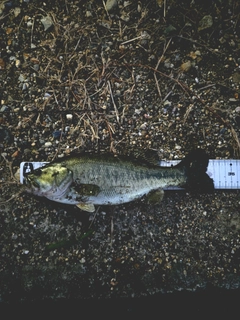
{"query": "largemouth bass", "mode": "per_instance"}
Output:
(90, 179)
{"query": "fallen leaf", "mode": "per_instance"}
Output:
(26, 56)
(236, 77)
(186, 66)
(205, 23)
(15, 154)
(194, 54)
(2, 64)
(9, 30)
(160, 3)
(34, 60)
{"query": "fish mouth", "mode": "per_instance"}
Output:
(50, 191)
(31, 184)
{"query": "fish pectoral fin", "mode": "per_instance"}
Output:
(89, 207)
(155, 196)
(87, 189)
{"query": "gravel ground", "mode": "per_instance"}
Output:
(116, 76)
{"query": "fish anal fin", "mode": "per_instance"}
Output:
(155, 196)
(89, 207)
(147, 157)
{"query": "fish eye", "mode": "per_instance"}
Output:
(55, 173)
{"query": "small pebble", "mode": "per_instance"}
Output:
(29, 24)
(47, 95)
(111, 4)
(47, 22)
(16, 11)
(88, 14)
(57, 134)
(48, 144)
(69, 116)
(36, 67)
(25, 86)
(21, 77)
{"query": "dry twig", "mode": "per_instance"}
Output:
(114, 104)
(159, 61)
(189, 109)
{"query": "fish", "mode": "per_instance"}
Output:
(89, 180)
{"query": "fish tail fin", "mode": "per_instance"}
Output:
(195, 165)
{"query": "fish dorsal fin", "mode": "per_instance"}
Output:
(145, 157)
(148, 157)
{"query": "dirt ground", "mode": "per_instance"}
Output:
(116, 76)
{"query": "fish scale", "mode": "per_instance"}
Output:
(116, 180)
(224, 172)
(86, 180)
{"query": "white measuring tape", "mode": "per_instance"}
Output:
(26, 167)
(225, 173)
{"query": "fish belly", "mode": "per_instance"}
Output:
(113, 196)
